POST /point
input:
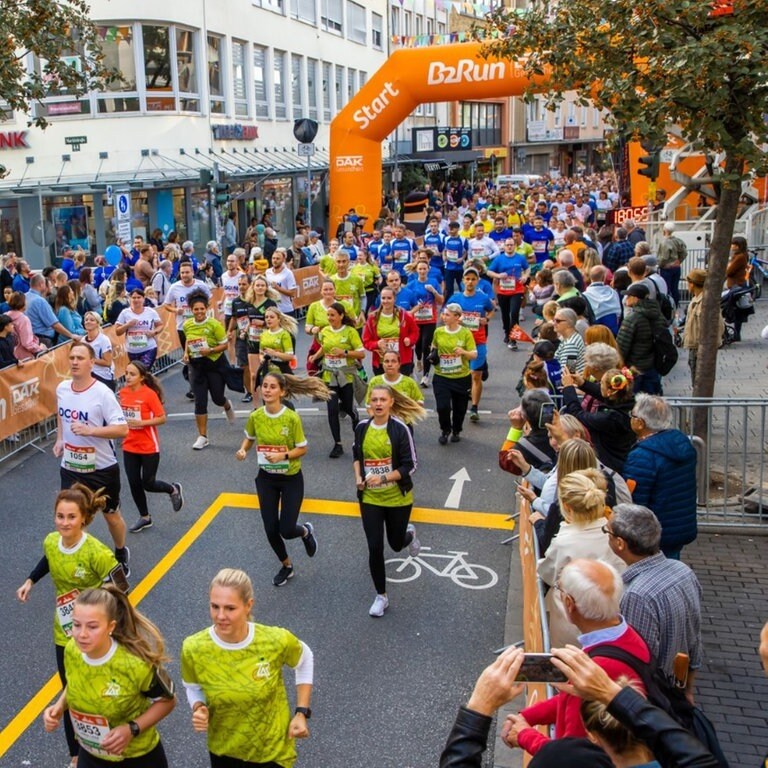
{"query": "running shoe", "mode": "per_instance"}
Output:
(414, 545)
(248, 398)
(522, 315)
(380, 604)
(141, 524)
(230, 412)
(512, 345)
(282, 576)
(336, 451)
(177, 497)
(473, 414)
(190, 395)
(200, 443)
(309, 541)
(455, 437)
(425, 381)
(123, 556)
(443, 439)
(419, 366)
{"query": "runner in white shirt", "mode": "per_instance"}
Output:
(481, 247)
(140, 325)
(230, 282)
(176, 302)
(89, 420)
(282, 280)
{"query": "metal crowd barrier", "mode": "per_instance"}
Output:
(732, 478)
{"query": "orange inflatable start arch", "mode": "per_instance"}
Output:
(408, 78)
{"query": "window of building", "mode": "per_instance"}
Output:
(396, 21)
(296, 80)
(430, 26)
(583, 121)
(278, 76)
(340, 101)
(186, 70)
(558, 115)
(419, 24)
(214, 57)
(312, 88)
(377, 27)
(595, 118)
(170, 69)
(326, 92)
(260, 81)
(332, 18)
(362, 78)
(304, 10)
(270, 5)
(407, 22)
(240, 86)
(351, 84)
(440, 28)
(357, 30)
(118, 47)
(571, 117)
(485, 121)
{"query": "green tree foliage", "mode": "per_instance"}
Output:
(65, 42)
(655, 65)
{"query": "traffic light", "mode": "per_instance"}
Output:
(221, 193)
(206, 177)
(651, 163)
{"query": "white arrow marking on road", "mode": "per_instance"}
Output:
(454, 497)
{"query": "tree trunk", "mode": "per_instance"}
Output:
(719, 255)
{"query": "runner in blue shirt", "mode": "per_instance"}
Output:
(436, 243)
(540, 238)
(500, 231)
(403, 249)
(511, 270)
(454, 254)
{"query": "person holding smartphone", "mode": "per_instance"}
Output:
(76, 561)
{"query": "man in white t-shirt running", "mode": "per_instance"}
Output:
(89, 419)
(282, 280)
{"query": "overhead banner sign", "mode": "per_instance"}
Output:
(441, 139)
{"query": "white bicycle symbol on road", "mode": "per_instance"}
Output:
(457, 569)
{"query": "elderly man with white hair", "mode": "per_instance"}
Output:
(591, 592)
(661, 469)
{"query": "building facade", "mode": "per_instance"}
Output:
(208, 86)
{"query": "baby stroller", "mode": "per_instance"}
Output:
(736, 304)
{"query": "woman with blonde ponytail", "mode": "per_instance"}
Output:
(582, 535)
(117, 690)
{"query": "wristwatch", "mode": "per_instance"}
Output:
(134, 726)
(306, 711)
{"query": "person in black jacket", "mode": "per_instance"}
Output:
(384, 460)
(661, 736)
(7, 342)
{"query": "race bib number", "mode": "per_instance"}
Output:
(391, 345)
(386, 267)
(508, 283)
(243, 323)
(132, 414)
(452, 256)
(450, 363)
(402, 257)
(136, 340)
(423, 312)
(91, 730)
(379, 467)
(254, 332)
(196, 347)
(187, 312)
(278, 467)
(333, 362)
(79, 458)
(65, 606)
(471, 321)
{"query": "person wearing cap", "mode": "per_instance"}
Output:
(696, 279)
(140, 325)
(635, 337)
(315, 247)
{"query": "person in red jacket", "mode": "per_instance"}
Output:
(390, 328)
(591, 592)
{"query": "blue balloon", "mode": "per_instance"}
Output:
(113, 255)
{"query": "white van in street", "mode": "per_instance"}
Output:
(518, 180)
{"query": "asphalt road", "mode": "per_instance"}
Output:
(386, 690)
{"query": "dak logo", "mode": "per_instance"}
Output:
(311, 283)
(112, 689)
(352, 163)
(262, 670)
(25, 396)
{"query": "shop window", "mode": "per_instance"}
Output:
(260, 81)
(240, 87)
(278, 76)
(213, 59)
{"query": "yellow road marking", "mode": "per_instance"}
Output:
(34, 707)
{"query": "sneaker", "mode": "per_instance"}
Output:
(124, 558)
(414, 545)
(443, 439)
(380, 604)
(177, 497)
(190, 395)
(512, 345)
(455, 437)
(141, 524)
(473, 414)
(419, 366)
(309, 541)
(230, 412)
(200, 443)
(522, 315)
(285, 573)
(336, 451)
(425, 381)
(248, 398)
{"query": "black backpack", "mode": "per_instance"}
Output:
(667, 698)
(664, 350)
